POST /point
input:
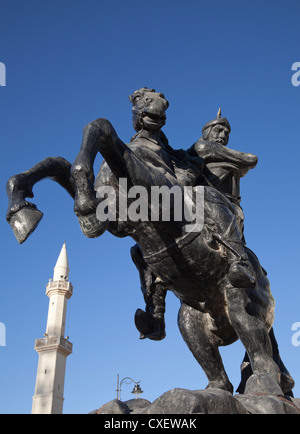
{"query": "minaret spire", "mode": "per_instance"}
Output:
(61, 269)
(54, 348)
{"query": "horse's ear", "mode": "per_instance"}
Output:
(130, 98)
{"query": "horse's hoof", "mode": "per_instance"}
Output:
(91, 226)
(149, 326)
(223, 385)
(24, 222)
(263, 384)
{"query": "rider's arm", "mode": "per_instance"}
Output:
(213, 152)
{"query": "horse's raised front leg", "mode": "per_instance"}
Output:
(96, 135)
(23, 216)
(193, 326)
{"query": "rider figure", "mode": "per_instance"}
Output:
(223, 167)
(222, 170)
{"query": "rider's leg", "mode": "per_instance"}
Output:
(202, 343)
(225, 231)
(151, 323)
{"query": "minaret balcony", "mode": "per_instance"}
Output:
(54, 343)
(62, 287)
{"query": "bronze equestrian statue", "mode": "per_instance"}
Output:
(224, 292)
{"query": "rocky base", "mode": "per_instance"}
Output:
(208, 401)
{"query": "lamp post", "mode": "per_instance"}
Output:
(127, 380)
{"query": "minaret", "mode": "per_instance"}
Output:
(54, 348)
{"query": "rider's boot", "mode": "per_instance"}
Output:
(241, 274)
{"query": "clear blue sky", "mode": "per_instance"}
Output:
(70, 62)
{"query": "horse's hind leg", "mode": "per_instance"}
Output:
(202, 343)
(255, 338)
(287, 383)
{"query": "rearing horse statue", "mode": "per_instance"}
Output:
(224, 292)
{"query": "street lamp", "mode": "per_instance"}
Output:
(127, 380)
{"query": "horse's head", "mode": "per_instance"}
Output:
(149, 109)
